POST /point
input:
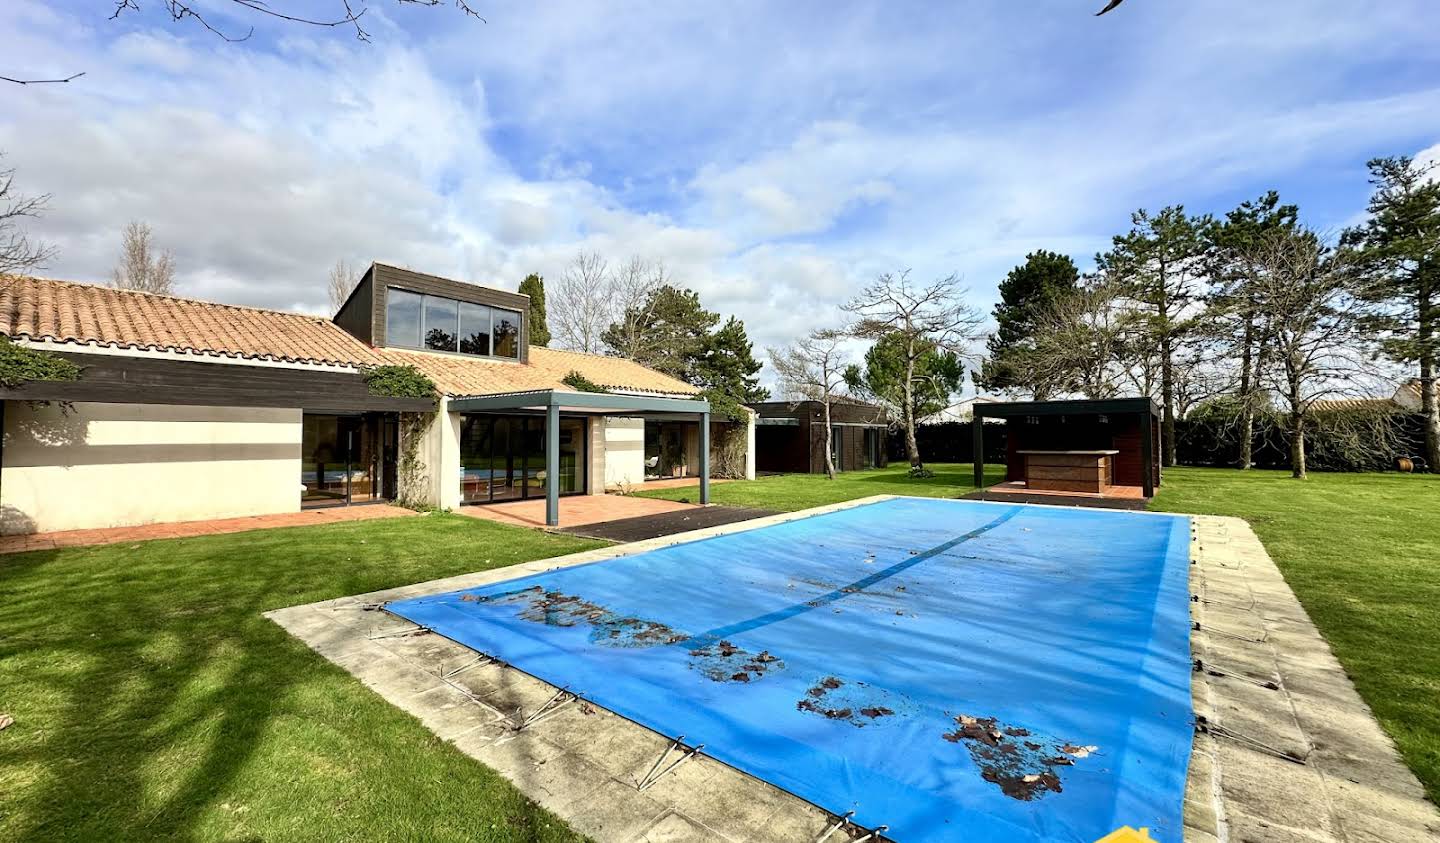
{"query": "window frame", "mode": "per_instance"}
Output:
(516, 317)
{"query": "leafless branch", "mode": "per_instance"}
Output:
(140, 268)
(813, 368)
(580, 303)
(19, 254)
(342, 281)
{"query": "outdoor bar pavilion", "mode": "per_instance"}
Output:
(1087, 449)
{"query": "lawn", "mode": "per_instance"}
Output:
(152, 700)
(789, 492)
(1362, 552)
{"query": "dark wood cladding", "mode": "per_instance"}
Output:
(1079, 432)
(117, 379)
(801, 447)
(357, 314)
(381, 277)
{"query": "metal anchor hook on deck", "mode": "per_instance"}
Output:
(1205, 727)
(552, 706)
(401, 633)
(656, 774)
(844, 820)
(478, 661)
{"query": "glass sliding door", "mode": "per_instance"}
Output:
(502, 458)
(347, 459)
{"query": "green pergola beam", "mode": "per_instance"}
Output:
(581, 401)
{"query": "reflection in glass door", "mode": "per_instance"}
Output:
(347, 459)
(502, 458)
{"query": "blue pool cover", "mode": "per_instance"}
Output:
(954, 670)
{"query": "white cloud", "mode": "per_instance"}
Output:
(776, 158)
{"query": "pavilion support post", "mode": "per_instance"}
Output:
(1147, 453)
(977, 428)
(704, 459)
(552, 465)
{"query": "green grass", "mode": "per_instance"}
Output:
(789, 492)
(1362, 552)
(152, 700)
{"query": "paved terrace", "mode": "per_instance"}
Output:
(1271, 693)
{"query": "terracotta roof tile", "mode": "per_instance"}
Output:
(62, 311)
(457, 375)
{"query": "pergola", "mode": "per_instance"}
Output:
(552, 402)
(1072, 420)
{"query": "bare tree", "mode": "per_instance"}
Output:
(927, 317)
(1314, 323)
(632, 297)
(342, 281)
(347, 14)
(581, 303)
(1081, 341)
(814, 368)
(18, 253)
(140, 267)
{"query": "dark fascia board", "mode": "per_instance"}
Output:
(578, 401)
(1102, 407)
(422, 282)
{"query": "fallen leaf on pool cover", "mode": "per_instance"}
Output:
(1023, 765)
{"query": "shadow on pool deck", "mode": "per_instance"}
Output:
(644, 527)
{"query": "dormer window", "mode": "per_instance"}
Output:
(438, 323)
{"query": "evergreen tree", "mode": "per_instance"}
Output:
(727, 365)
(1158, 265)
(1027, 292)
(1236, 318)
(1399, 253)
(938, 376)
(534, 287)
(667, 332)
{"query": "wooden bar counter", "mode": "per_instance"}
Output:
(1069, 471)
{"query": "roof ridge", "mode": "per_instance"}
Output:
(169, 297)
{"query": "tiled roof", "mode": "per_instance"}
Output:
(85, 314)
(62, 311)
(458, 375)
(1330, 404)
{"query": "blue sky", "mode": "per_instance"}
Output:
(775, 155)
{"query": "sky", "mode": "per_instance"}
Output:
(776, 156)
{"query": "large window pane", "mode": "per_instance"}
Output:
(402, 318)
(507, 333)
(479, 468)
(474, 328)
(442, 323)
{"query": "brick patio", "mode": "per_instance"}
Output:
(575, 511)
(189, 529)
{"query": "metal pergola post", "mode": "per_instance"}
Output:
(704, 458)
(552, 465)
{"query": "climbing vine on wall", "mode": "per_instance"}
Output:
(399, 382)
(412, 474)
(19, 365)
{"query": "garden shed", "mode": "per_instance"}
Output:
(1099, 449)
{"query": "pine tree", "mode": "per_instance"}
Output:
(1399, 251)
(938, 376)
(534, 287)
(1027, 292)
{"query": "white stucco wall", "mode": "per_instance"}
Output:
(114, 465)
(435, 479)
(624, 451)
(750, 416)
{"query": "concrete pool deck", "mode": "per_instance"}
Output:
(584, 763)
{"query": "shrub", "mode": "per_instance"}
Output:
(19, 365)
(399, 382)
(580, 383)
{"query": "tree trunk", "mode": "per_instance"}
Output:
(1247, 398)
(829, 442)
(912, 448)
(1297, 424)
(1297, 445)
(1167, 372)
(1427, 384)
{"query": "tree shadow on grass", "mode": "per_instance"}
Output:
(154, 701)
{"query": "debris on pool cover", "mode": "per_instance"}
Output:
(850, 657)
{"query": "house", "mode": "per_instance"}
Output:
(790, 435)
(1406, 398)
(188, 410)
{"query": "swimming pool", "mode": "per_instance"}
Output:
(949, 669)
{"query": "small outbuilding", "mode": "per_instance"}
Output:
(1092, 449)
(790, 436)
